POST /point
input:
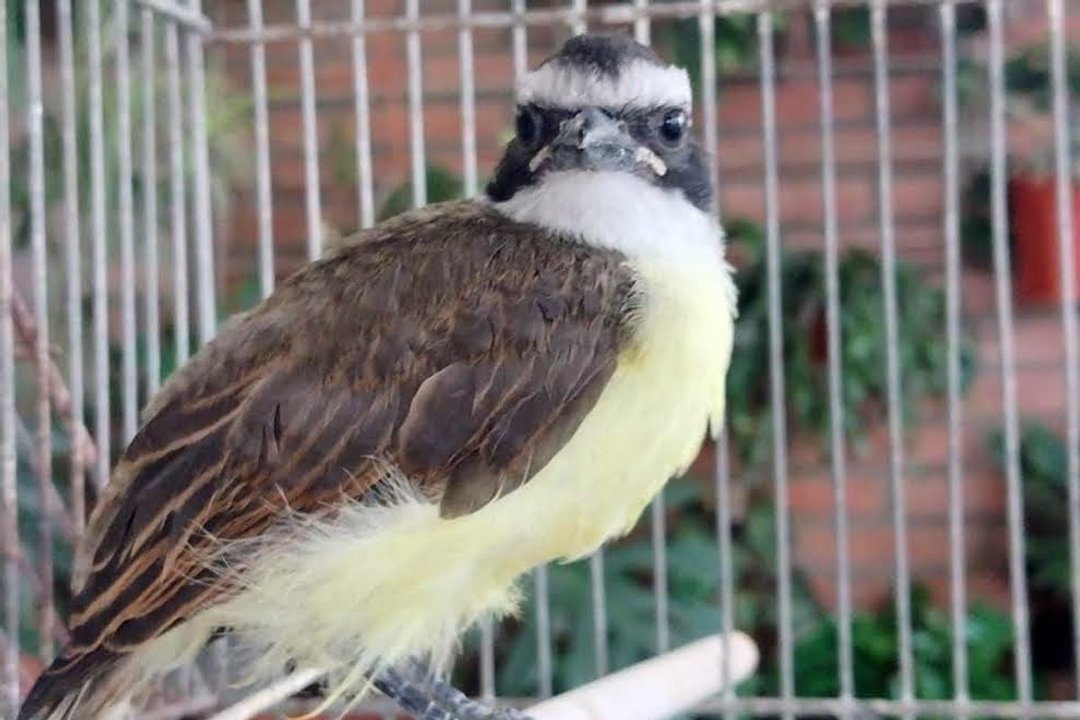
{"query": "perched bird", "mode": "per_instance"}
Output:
(359, 468)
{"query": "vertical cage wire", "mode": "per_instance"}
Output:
(151, 259)
(9, 528)
(204, 242)
(125, 220)
(1003, 295)
(362, 110)
(838, 445)
(954, 406)
(414, 59)
(776, 357)
(264, 183)
(879, 40)
(1063, 187)
(42, 451)
(191, 221)
(177, 194)
(312, 185)
(102, 430)
(73, 261)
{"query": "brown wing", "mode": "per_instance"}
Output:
(460, 346)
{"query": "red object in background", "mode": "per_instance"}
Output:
(1033, 210)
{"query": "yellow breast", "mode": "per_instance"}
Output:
(379, 584)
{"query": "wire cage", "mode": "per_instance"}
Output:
(165, 161)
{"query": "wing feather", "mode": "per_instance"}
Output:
(456, 345)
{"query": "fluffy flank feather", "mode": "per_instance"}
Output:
(355, 593)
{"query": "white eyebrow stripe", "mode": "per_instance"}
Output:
(641, 83)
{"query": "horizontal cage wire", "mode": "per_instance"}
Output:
(893, 510)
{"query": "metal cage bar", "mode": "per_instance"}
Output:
(837, 447)
(181, 33)
(1009, 401)
(9, 529)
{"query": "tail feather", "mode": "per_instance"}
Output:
(74, 693)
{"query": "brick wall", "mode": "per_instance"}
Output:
(917, 207)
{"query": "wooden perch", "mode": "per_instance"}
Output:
(658, 688)
(655, 689)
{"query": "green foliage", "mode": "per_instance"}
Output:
(1029, 97)
(693, 586)
(875, 648)
(442, 185)
(1028, 75)
(977, 221)
(1044, 467)
(921, 342)
(735, 40)
(226, 117)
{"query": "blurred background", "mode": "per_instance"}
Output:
(297, 149)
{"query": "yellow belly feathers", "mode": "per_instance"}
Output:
(377, 585)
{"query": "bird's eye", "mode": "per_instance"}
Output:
(673, 127)
(528, 126)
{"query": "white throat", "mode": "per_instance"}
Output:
(618, 211)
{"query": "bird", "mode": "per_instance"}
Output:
(362, 466)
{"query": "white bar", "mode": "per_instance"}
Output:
(776, 356)
(642, 26)
(99, 235)
(661, 687)
(178, 199)
(151, 259)
(9, 527)
(468, 101)
(264, 189)
(838, 445)
(416, 108)
(578, 23)
(42, 359)
(1064, 194)
(879, 32)
(599, 606)
(955, 406)
(73, 260)
(204, 233)
(126, 221)
(363, 120)
(520, 40)
(312, 189)
(1009, 401)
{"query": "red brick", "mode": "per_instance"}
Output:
(796, 104)
(812, 498)
(978, 292)
(917, 195)
(800, 200)
(913, 96)
(802, 147)
(814, 545)
(1038, 340)
(332, 79)
(928, 547)
(741, 153)
(1040, 391)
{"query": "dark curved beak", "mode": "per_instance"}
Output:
(593, 140)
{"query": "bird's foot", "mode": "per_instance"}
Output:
(435, 699)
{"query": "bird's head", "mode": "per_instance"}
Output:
(604, 103)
